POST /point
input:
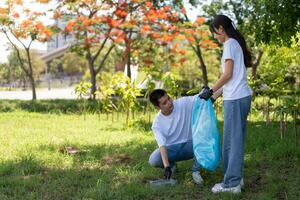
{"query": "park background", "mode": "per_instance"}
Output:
(92, 141)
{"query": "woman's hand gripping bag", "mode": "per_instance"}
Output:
(205, 134)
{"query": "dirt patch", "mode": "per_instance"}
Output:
(255, 184)
(116, 159)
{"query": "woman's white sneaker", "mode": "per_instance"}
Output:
(218, 188)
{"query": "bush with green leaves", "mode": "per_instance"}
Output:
(279, 72)
(126, 91)
(278, 83)
(82, 90)
(171, 84)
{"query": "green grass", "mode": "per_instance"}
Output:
(113, 163)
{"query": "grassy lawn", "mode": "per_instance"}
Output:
(112, 162)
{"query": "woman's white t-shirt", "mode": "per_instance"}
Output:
(237, 87)
(175, 128)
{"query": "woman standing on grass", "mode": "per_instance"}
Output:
(236, 101)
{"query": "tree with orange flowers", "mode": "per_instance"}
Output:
(94, 25)
(169, 26)
(145, 21)
(23, 26)
(147, 29)
(180, 31)
(198, 38)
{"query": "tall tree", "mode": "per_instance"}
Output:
(195, 33)
(23, 26)
(198, 38)
(14, 67)
(92, 25)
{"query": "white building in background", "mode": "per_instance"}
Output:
(60, 40)
(56, 48)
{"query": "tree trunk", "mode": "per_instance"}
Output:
(295, 126)
(281, 123)
(31, 76)
(202, 66)
(32, 83)
(256, 64)
(128, 55)
(128, 64)
(92, 79)
(267, 115)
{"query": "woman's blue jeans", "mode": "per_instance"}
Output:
(176, 152)
(234, 131)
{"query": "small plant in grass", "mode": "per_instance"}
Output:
(127, 93)
(149, 88)
(104, 94)
(82, 92)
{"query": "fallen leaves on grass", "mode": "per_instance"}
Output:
(71, 150)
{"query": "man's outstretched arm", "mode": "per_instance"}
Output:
(164, 157)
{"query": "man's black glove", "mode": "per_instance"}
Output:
(168, 172)
(206, 93)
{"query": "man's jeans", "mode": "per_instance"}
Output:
(176, 152)
(235, 119)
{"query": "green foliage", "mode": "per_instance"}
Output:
(104, 94)
(150, 85)
(126, 91)
(48, 106)
(171, 84)
(82, 89)
(277, 27)
(119, 86)
(12, 72)
(140, 124)
(73, 64)
(279, 71)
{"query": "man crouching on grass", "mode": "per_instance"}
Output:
(172, 128)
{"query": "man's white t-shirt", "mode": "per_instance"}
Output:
(176, 127)
(237, 87)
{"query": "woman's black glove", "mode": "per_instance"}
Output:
(206, 93)
(212, 100)
(168, 172)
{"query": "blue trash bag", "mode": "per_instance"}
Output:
(205, 134)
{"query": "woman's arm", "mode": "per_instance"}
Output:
(225, 77)
(217, 94)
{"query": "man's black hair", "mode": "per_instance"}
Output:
(155, 95)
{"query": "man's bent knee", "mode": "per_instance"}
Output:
(155, 159)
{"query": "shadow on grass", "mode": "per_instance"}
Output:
(95, 172)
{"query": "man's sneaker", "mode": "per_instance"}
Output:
(218, 188)
(173, 168)
(197, 177)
